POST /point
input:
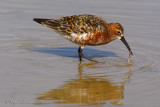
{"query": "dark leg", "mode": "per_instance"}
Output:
(82, 56)
(80, 53)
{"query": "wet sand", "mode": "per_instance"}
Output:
(40, 68)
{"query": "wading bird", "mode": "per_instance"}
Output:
(86, 30)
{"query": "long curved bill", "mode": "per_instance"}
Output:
(125, 42)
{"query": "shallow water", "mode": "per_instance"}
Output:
(40, 68)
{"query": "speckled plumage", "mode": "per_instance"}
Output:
(85, 29)
(80, 29)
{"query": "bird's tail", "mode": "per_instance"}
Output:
(51, 23)
(40, 21)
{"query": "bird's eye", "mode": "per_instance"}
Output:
(119, 32)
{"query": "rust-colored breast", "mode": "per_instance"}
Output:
(92, 38)
(97, 38)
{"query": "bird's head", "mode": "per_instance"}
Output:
(116, 31)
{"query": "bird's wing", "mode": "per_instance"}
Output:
(78, 24)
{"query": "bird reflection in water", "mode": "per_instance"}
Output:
(89, 89)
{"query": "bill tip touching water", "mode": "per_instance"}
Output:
(86, 30)
(130, 54)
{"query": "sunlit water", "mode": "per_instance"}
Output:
(40, 68)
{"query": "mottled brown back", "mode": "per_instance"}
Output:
(78, 24)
